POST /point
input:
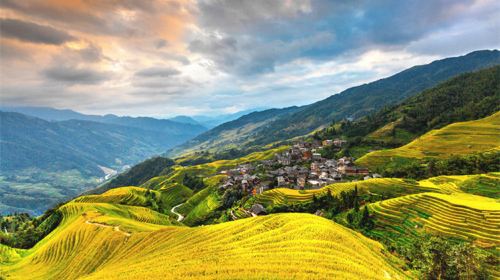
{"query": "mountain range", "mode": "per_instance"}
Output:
(261, 128)
(66, 153)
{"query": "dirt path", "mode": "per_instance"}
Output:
(115, 228)
(250, 213)
(179, 216)
(233, 216)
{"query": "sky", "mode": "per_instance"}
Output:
(165, 58)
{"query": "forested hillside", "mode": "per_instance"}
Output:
(467, 97)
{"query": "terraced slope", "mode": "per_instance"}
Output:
(103, 241)
(459, 215)
(482, 184)
(387, 187)
(202, 204)
(455, 139)
(173, 192)
(123, 195)
(164, 198)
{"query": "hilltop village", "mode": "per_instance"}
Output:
(300, 167)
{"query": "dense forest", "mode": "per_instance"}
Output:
(467, 97)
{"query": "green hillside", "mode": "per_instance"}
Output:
(467, 97)
(456, 139)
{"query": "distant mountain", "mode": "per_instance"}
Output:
(170, 128)
(49, 114)
(28, 142)
(184, 119)
(54, 160)
(181, 129)
(234, 133)
(354, 102)
(213, 121)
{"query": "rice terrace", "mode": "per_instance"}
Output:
(222, 139)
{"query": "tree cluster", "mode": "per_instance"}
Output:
(193, 182)
(455, 165)
(436, 257)
(20, 230)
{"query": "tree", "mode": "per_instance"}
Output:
(366, 221)
(350, 217)
(436, 257)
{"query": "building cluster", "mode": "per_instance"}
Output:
(300, 167)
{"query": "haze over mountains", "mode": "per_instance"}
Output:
(48, 155)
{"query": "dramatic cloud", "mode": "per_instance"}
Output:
(72, 75)
(32, 32)
(158, 72)
(172, 57)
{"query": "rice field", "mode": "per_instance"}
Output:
(455, 139)
(459, 215)
(169, 195)
(380, 186)
(281, 246)
(482, 184)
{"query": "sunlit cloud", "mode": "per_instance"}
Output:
(162, 58)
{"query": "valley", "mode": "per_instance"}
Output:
(390, 193)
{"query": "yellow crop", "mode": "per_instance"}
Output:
(103, 241)
(455, 139)
(375, 186)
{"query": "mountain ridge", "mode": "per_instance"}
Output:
(350, 103)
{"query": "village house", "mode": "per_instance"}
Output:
(301, 182)
(306, 155)
(281, 181)
(315, 167)
(316, 156)
(327, 142)
(339, 142)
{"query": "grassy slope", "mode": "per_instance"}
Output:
(482, 184)
(169, 196)
(455, 139)
(139, 244)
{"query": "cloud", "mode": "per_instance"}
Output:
(247, 57)
(74, 75)
(157, 72)
(204, 56)
(252, 37)
(33, 33)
